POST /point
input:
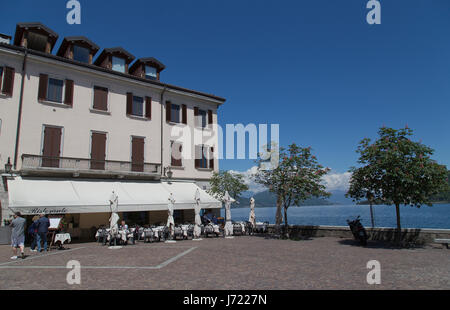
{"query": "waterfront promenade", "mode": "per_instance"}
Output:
(240, 263)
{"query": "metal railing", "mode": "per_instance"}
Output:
(37, 162)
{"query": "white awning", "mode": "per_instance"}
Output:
(34, 196)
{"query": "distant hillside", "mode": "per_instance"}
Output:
(443, 197)
(268, 199)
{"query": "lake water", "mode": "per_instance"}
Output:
(437, 216)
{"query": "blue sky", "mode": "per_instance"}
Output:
(314, 67)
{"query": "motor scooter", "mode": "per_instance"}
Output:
(358, 230)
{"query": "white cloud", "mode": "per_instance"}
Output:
(248, 179)
(337, 181)
(332, 180)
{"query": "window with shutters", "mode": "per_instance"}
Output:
(203, 118)
(7, 75)
(175, 112)
(55, 90)
(176, 154)
(100, 98)
(204, 158)
(137, 109)
(139, 106)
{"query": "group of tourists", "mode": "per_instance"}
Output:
(37, 231)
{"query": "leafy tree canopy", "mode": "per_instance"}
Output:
(296, 178)
(223, 181)
(396, 170)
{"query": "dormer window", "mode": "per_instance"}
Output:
(35, 36)
(147, 68)
(151, 73)
(78, 48)
(115, 59)
(37, 42)
(118, 64)
(81, 54)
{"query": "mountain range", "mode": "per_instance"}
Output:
(268, 199)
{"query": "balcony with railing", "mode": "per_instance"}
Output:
(82, 167)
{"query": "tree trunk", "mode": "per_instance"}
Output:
(371, 216)
(278, 215)
(399, 227)
(286, 226)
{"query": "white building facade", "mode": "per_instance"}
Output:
(67, 118)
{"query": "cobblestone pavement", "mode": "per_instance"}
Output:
(239, 263)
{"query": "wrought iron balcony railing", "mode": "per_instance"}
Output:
(88, 166)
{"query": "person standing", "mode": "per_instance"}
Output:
(42, 229)
(18, 234)
(33, 233)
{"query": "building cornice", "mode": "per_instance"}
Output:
(36, 55)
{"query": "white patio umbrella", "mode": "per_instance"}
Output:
(113, 227)
(170, 221)
(114, 205)
(198, 221)
(252, 217)
(228, 224)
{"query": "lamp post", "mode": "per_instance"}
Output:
(168, 172)
(8, 166)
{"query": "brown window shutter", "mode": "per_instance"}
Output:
(43, 83)
(210, 117)
(168, 110)
(52, 147)
(180, 151)
(198, 155)
(148, 107)
(176, 154)
(8, 81)
(1, 74)
(98, 151)
(196, 121)
(129, 103)
(184, 114)
(137, 154)
(211, 158)
(68, 96)
(100, 98)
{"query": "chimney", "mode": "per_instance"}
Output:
(5, 38)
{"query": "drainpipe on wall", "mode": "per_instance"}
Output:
(162, 127)
(19, 116)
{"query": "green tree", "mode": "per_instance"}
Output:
(223, 181)
(363, 185)
(397, 170)
(296, 178)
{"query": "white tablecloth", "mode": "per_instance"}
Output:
(62, 238)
